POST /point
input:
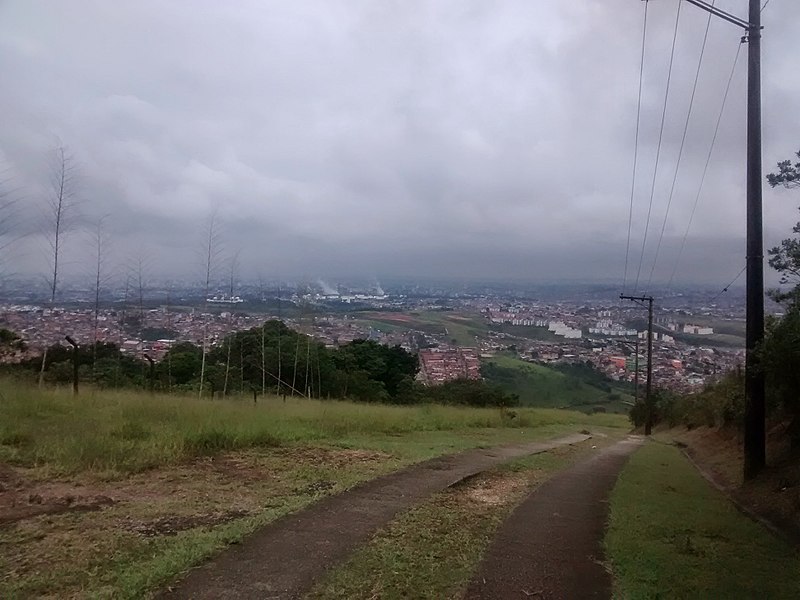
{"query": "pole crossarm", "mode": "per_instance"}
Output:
(636, 298)
(717, 12)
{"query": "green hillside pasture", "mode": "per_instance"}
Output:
(529, 332)
(542, 386)
(671, 535)
(119, 432)
(462, 328)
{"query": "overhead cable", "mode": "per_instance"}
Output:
(660, 140)
(680, 150)
(636, 146)
(725, 289)
(705, 168)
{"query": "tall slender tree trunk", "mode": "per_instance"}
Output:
(211, 253)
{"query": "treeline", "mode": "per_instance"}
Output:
(270, 359)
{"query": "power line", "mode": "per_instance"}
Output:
(636, 146)
(708, 161)
(680, 150)
(660, 140)
(725, 289)
(765, 6)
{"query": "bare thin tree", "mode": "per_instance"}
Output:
(211, 253)
(101, 241)
(233, 271)
(60, 210)
(9, 220)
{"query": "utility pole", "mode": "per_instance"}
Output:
(152, 374)
(75, 365)
(636, 371)
(754, 391)
(648, 425)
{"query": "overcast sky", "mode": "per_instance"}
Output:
(438, 138)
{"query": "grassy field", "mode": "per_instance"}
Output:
(123, 490)
(529, 332)
(671, 535)
(454, 326)
(539, 385)
(117, 432)
(432, 551)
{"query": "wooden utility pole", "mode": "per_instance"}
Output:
(151, 374)
(636, 371)
(74, 345)
(648, 424)
(754, 403)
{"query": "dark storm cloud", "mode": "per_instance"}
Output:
(446, 138)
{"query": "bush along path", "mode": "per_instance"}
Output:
(552, 544)
(286, 558)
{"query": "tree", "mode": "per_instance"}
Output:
(233, 273)
(788, 174)
(780, 351)
(101, 242)
(785, 257)
(10, 343)
(211, 254)
(60, 208)
(9, 205)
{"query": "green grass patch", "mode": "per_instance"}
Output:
(671, 535)
(119, 432)
(540, 385)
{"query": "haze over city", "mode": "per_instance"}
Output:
(451, 139)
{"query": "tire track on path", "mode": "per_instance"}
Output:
(284, 559)
(551, 547)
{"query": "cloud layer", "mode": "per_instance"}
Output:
(459, 139)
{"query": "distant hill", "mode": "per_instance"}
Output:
(576, 387)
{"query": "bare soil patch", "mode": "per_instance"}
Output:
(67, 534)
(23, 498)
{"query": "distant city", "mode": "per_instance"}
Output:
(698, 334)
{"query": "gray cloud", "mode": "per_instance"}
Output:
(448, 138)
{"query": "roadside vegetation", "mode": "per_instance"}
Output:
(671, 535)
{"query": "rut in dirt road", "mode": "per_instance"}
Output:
(551, 547)
(287, 557)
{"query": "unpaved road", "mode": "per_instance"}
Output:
(551, 547)
(287, 557)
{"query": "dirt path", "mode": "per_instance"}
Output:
(284, 559)
(552, 544)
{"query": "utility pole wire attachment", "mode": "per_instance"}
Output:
(718, 12)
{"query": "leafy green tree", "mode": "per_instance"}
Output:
(788, 174)
(780, 357)
(785, 257)
(183, 363)
(10, 342)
